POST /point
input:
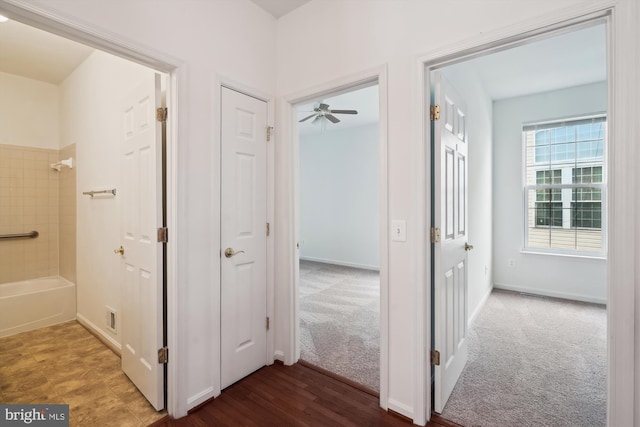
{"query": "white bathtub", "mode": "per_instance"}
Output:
(35, 303)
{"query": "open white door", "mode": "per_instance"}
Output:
(141, 195)
(450, 252)
(243, 236)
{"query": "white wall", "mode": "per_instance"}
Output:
(91, 118)
(357, 36)
(479, 115)
(28, 112)
(236, 39)
(339, 197)
(209, 39)
(561, 276)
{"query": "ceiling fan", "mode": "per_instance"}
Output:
(322, 111)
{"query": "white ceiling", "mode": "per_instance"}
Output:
(36, 54)
(278, 8)
(566, 60)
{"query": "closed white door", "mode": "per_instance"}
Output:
(243, 236)
(450, 217)
(141, 196)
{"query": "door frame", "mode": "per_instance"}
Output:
(619, 19)
(290, 233)
(220, 81)
(72, 29)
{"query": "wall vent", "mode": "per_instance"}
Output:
(111, 319)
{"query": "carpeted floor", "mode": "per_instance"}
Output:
(340, 321)
(533, 361)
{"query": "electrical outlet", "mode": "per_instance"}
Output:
(511, 262)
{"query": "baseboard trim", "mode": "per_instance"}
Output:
(561, 295)
(342, 263)
(483, 301)
(278, 356)
(200, 398)
(100, 334)
(400, 408)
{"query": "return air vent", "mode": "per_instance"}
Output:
(111, 319)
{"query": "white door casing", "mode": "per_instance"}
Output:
(141, 194)
(243, 233)
(450, 254)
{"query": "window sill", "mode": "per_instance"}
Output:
(563, 254)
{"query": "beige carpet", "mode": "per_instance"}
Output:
(340, 321)
(533, 361)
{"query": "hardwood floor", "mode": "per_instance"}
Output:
(295, 395)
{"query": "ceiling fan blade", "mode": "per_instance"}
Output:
(332, 118)
(323, 107)
(307, 118)
(343, 111)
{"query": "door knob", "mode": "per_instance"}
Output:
(120, 250)
(229, 252)
(467, 247)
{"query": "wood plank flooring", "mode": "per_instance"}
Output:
(295, 395)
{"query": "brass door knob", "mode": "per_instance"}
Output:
(120, 250)
(229, 252)
(467, 247)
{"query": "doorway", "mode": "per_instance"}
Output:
(93, 154)
(492, 165)
(339, 199)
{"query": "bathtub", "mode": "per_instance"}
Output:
(35, 303)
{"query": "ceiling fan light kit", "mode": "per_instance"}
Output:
(323, 113)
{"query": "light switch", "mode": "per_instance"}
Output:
(398, 230)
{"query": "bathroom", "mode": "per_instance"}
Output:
(60, 139)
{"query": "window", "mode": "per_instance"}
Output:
(564, 185)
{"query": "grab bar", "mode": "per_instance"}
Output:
(30, 235)
(92, 193)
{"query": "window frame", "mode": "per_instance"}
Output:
(558, 164)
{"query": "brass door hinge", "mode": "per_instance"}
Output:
(161, 114)
(435, 235)
(268, 229)
(269, 133)
(435, 357)
(163, 355)
(163, 235)
(434, 112)
(267, 323)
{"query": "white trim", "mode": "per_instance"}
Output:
(401, 409)
(109, 341)
(288, 138)
(342, 263)
(480, 306)
(100, 38)
(624, 106)
(220, 82)
(542, 292)
(201, 397)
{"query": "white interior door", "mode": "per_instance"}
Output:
(141, 195)
(450, 217)
(243, 236)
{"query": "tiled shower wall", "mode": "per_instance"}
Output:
(30, 200)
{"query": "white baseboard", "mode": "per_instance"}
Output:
(102, 336)
(400, 408)
(342, 263)
(279, 355)
(483, 301)
(201, 397)
(563, 295)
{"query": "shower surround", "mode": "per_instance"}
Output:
(35, 197)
